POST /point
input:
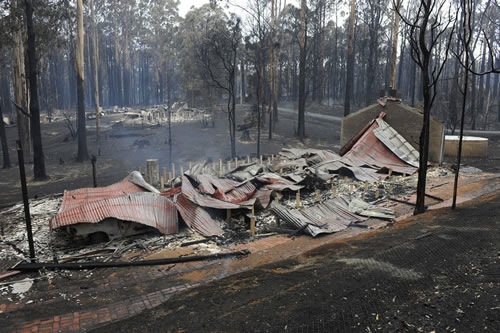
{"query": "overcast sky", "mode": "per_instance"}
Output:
(185, 5)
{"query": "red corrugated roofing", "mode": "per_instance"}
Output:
(82, 196)
(263, 196)
(204, 200)
(145, 208)
(197, 218)
(237, 195)
(209, 183)
(371, 152)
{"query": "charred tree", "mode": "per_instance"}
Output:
(82, 154)
(95, 68)
(349, 82)
(466, 60)
(301, 128)
(38, 157)
(217, 55)
(427, 29)
(5, 147)
(19, 81)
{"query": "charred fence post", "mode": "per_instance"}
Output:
(24, 189)
(94, 175)
(252, 222)
(153, 172)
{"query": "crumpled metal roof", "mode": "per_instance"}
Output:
(197, 218)
(327, 217)
(362, 208)
(238, 195)
(278, 183)
(312, 155)
(81, 196)
(141, 207)
(247, 171)
(371, 152)
(209, 184)
(204, 200)
(263, 196)
(396, 143)
(330, 169)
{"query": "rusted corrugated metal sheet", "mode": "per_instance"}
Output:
(237, 195)
(355, 138)
(224, 189)
(263, 196)
(312, 156)
(145, 208)
(82, 196)
(369, 151)
(204, 200)
(299, 163)
(209, 184)
(171, 192)
(197, 218)
(319, 156)
(396, 143)
(327, 217)
(330, 169)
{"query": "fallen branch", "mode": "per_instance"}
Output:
(20, 108)
(198, 241)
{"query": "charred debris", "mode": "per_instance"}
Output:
(213, 205)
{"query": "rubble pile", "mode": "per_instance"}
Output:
(293, 190)
(158, 115)
(298, 191)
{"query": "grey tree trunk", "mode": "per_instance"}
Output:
(349, 83)
(38, 157)
(5, 147)
(82, 154)
(301, 130)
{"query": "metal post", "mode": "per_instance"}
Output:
(24, 189)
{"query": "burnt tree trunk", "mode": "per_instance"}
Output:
(38, 157)
(301, 130)
(5, 147)
(82, 154)
(349, 82)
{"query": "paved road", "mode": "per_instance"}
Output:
(317, 116)
(310, 116)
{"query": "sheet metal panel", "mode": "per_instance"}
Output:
(328, 217)
(278, 183)
(318, 156)
(300, 163)
(197, 218)
(370, 151)
(238, 194)
(82, 196)
(329, 169)
(396, 143)
(204, 200)
(209, 184)
(312, 156)
(263, 196)
(145, 208)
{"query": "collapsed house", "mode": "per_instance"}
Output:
(203, 200)
(406, 120)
